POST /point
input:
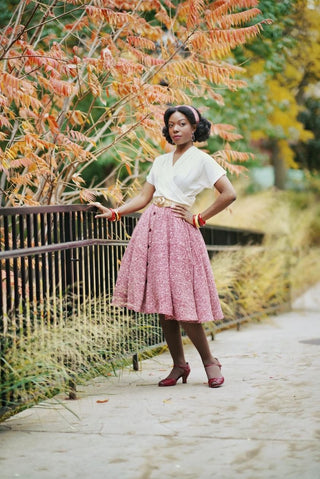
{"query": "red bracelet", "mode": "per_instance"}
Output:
(115, 215)
(198, 221)
(201, 221)
(194, 221)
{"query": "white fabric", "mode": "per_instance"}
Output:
(194, 171)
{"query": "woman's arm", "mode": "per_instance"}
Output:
(226, 197)
(135, 204)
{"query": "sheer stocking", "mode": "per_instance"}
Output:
(172, 334)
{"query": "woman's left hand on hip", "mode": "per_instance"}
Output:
(183, 212)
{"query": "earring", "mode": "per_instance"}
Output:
(193, 138)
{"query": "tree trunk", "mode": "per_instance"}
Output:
(279, 168)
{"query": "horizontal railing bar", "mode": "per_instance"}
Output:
(232, 247)
(17, 253)
(30, 210)
(27, 210)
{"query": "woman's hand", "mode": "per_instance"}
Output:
(183, 212)
(105, 212)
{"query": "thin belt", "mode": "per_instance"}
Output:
(163, 202)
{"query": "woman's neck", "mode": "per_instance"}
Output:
(182, 148)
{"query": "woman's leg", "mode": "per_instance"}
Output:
(199, 338)
(172, 334)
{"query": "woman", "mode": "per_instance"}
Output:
(166, 268)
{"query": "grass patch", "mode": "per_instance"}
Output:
(54, 358)
(252, 280)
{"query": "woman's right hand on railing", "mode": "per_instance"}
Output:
(105, 212)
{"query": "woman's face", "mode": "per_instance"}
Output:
(180, 129)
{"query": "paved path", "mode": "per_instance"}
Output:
(263, 423)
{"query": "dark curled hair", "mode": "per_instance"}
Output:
(202, 131)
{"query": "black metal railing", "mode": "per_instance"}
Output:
(58, 266)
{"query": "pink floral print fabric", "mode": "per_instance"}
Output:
(166, 270)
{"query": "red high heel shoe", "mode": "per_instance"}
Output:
(215, 382)
(173, 381)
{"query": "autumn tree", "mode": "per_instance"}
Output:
(79, 81)
(283, 72)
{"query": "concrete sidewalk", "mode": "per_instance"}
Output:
(263, 423)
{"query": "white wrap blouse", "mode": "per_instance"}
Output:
(194, 171)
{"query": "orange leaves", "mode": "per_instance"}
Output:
(225, 131)
(195, 9)
(107, 58)
(77, 179)
(140, 42)
(233, 38)
(53, 124)
(227, 156)
(80, 137)
(158, 94)
(93, 82)
(33, 141)
(143, 58)
(108, 77)
(216, 97)
(128, 67)
(238, 18)
(4, 121)
(218, 73)
(114, 19)
(87, 196)
(9, 84)
(164, 18)
(220, 8)
(123, 89)
(169, 4)
(20, 91)
(54, 62)
(70, 146)
(60, 87)
(76, 117)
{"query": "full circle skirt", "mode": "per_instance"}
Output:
(166, 269)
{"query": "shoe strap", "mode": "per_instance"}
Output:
(214, 364)
(185, 368)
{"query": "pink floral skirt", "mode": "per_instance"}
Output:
(166, 269)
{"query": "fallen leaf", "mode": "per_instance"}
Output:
(100, 401)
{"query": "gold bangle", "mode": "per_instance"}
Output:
(196, 220)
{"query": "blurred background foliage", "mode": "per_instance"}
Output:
(278, 113)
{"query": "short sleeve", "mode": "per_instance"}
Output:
(212, 172)
(151, 177)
